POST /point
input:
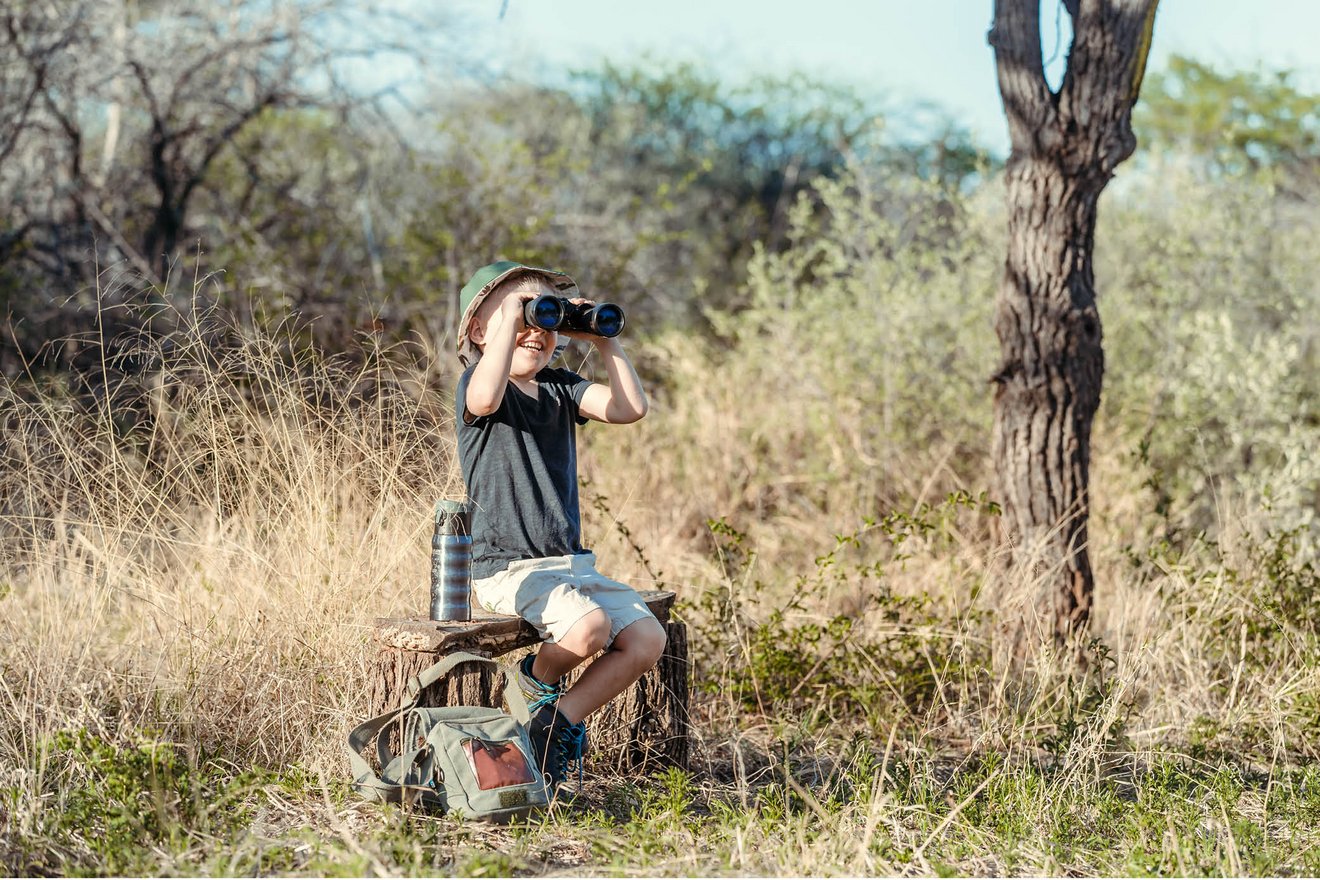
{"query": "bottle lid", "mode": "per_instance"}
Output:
(449, 507)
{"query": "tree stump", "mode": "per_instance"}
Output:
(643, 729)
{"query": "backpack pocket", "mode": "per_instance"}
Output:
(498, 763)
(490, 763)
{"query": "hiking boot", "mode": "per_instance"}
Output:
(558, 745)
(537, 692)
(540, 694)
(573, 746)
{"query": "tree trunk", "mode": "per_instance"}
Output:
(1065, 147)
(1048, 390)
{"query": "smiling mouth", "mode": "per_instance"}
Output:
(532, 346)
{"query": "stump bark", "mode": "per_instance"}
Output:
(643, 729)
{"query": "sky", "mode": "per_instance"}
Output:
(908, 50)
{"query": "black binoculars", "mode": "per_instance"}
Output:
(555, 312)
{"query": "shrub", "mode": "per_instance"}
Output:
(844, 647)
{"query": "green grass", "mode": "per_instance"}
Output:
(840, 807)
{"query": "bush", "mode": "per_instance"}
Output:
(844, 647)
(1207, 293)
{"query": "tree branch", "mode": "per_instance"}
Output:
(1111, 42)
(1028, 105)
(18, 126)
(222, 138)
(130, 253)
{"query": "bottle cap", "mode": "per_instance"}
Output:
(449, 507)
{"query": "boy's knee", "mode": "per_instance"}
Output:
(661, 642)
(648, 639)
(589, 635)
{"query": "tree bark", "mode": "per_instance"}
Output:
(1065, 147)
(1048, 388)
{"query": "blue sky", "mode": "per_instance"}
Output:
(911, 50)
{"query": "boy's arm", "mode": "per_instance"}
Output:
(490, 378)
(622, 401)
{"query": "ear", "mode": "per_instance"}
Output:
(477, 331)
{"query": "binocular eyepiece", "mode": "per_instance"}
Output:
(555, 312)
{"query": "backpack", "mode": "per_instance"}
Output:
(469, 760)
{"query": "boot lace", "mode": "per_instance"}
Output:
(537, 692)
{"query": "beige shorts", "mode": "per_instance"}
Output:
(554, 593)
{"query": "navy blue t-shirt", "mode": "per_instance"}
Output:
(520, 467)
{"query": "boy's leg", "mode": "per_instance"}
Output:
(636, 649)
(616, 611)
(558, 740)
(585, 639)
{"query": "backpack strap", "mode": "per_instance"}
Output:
(365, 779)
(513, 695)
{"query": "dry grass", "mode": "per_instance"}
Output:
(203, 574)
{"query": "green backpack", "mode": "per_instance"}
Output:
(471, 760)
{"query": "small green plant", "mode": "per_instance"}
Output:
(488, 863)
(1086, 711)
(667, 801)
(116, 804)
(1289, 593)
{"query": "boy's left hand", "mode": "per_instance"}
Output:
(583, 335)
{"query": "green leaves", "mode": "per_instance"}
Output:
(1234, 121)
(120, 809)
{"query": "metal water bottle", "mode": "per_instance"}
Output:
(451, 562)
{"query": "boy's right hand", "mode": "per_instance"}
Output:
(512, 309)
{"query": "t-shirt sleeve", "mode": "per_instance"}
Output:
(573, 386)
(460, 402)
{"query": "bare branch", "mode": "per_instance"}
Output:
(1110, 44)
(1028, 105)
(130, 253)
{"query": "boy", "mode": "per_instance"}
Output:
(516, 425)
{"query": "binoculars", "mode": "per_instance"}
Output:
(555, 312)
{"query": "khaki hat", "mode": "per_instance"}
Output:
(486, 279)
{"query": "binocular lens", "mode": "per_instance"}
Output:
(607, 320)
(546, 312)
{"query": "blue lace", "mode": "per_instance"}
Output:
(571, 742)
(542, 694)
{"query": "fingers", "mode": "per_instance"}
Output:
(515, 305)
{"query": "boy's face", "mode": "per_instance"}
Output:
(533, 347)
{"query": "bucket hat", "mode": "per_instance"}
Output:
(486, 279)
